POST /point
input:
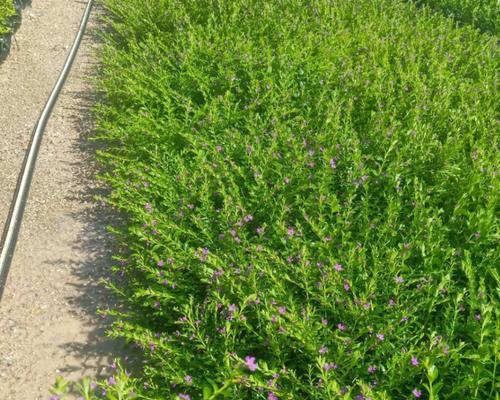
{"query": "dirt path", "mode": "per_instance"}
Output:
(48, 320)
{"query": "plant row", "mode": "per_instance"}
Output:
(310, 197)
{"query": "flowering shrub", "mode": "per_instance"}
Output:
(483, 15)
(310, 190)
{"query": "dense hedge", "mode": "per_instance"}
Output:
(310, 190)
(482, 14)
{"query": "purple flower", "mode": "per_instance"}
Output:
(248, 218)
(333, 163)
(204, 254)
(323, 350)
(324, 321)
(232, 308)
(148, 207)
(338, 267)
(184, 396)
(282, 310)
(272, 396)
(341, 326)
(188, 379)
(380, 336)
(111, 381)
(477, 317)
(417, 393)
(290, 231)
(328, 366)
(250, 363)
(399, 279)
(372, 369)
(160, 263)
(414, 361)
(347, 287)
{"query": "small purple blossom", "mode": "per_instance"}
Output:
(341, 326)
(160, 263)
(347, 287)
(477, 317)
(323, 350)
(290, 231)
(111, 381)
(188, 379)
(184, 396)
(148, 207)
(333, 163)
(324, 321)
(250, 363)
(372, 369)
(282, 310)
(338, 267)
(380, 336)
(204, 254)
(272, 396)
(328, 366)
(417, 393)
(399, 279)
(414, 361)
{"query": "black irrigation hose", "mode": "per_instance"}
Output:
(14, 219)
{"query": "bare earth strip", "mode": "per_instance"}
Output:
(48, 320)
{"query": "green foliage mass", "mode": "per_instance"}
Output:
(482, 14)
(7, 10)
(311, 183)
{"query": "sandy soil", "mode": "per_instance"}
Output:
(48, 320)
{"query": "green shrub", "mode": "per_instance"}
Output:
(482, 14)
(310, 189)
(7, 10)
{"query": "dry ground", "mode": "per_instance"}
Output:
(48, 319)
